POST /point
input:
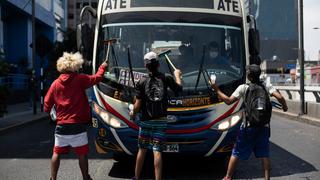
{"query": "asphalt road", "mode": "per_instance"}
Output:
(26, 151)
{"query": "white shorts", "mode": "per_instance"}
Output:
(79, 142)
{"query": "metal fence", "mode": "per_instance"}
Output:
(312, 93)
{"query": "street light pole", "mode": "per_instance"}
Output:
(33, 77)
(301, 57)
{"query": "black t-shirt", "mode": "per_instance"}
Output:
(140, 90)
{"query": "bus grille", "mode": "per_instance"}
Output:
(188, 117)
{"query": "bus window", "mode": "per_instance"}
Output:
(140, 38)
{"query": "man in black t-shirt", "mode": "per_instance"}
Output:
(151, 99)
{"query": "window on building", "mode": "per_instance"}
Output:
(78, 5)
(94, 5)
(70, 16)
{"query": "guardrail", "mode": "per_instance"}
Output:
(312, 93)
(312, 99)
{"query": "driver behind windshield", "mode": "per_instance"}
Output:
(213, 58)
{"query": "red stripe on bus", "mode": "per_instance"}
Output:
(169, 131)
(117, 114)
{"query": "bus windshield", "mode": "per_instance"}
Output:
(198, 50)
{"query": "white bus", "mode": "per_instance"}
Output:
(189, 34)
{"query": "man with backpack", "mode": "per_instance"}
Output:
(151, 99)
(255, 130)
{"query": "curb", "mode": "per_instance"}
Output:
(299, 118)
(15, 126)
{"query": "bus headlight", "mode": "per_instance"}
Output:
(108, 117)
(229, 122)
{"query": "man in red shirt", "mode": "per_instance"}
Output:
(67, 95)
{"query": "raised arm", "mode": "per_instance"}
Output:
(177, 74)
(175, 84)
(226, 99)
(91, 80)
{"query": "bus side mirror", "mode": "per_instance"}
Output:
(254, 41)
(85, 38)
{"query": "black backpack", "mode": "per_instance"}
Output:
(156, 103)
(257, 105)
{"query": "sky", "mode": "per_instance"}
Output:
(311, 35)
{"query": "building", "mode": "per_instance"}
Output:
(16, 33)
(288, 72)
(278, 72)
(277, 22)
(74, 10)
(311, 73)
(60, 14)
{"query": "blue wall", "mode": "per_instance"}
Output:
(15, 27)
(15, 38)
(16, 32)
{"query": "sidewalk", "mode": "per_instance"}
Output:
(19, 115)
(296, 117)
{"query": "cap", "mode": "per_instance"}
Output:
(254, 70)
(150, 57)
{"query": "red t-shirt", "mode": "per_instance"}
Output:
(68, 95)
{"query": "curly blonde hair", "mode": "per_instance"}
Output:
(69, 62)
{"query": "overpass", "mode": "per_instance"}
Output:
(312, 103)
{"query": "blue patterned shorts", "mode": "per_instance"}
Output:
(152, 135)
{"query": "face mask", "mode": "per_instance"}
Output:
(213, 54)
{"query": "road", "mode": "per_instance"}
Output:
(295, 154)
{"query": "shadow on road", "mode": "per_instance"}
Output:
(174, 168)
(283, 163)
(36, 142)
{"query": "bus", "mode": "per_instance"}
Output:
(181, 33)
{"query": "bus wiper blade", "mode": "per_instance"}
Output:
(200, 68)
(130, 67)
(115, 61)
